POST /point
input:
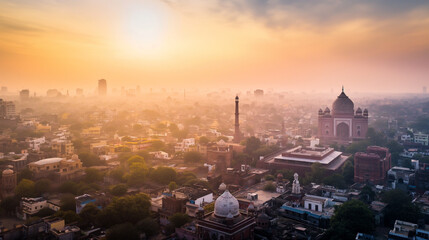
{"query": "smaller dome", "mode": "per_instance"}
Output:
(7, 172)
(263, 216)
(320, 111)
(327, 110)
(365, 112)
(222, 187)
(359, 112)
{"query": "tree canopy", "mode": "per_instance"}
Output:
(399, 207)
(163, 175)
(122, 231)
(125, 209)
(25, 188)
(350, 218)
(193, 157)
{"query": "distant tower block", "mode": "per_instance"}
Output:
(295, 185)
(237, 134)
(102, 87)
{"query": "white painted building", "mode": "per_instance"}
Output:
(316, 203)
(184, 145)
(421, 138)
(36, 142)
(30, 206)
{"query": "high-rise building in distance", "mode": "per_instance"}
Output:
(24, 94)
(102, 87)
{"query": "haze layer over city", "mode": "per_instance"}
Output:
(169, 119)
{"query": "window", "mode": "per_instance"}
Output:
(327, 132)
(317, 207)
(358, 133)
(309, 206)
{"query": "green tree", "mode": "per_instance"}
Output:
(316, 175)
(204, 140)
(88, 215)
(193, 157)
(163, 175)
(135, 159)
(345, 223)
(270, 187)
(68, 202)
(348, 172)
(25, 173)
(69, 216)
(172, 186)
(9, 205)
(367, 194)
(122, 231)
(179, 219)
(149, 226)
(239, 158)
(117, 174)
(68, 187)
(25, 188)
(89, 160)
(252, 144)
(399, 206)
(138, 174)
(269, 177)
(93, 175)
(335, 180)
(157, 145)
(42, 186)
(119, 190)
(184, 177)
(131, 208)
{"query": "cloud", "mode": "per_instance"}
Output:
(11, 25)
(284, 13)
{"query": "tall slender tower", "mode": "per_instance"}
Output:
(102, 87)
(237, 134)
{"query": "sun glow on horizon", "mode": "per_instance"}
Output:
(144, 30)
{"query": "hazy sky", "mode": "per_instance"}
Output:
(365, 45)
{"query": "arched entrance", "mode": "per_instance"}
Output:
(343, 131)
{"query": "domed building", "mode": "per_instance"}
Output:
(8, 182)
(226, 221)
(342, 124)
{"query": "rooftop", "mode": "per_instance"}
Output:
(48, 161)
(193, 193)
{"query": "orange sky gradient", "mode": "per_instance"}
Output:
(285, 45)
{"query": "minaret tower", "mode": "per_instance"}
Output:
(237, 134)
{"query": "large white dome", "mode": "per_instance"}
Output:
(226, 204)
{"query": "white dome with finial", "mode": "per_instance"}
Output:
(226, 204)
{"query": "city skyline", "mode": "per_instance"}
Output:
(285, 45)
